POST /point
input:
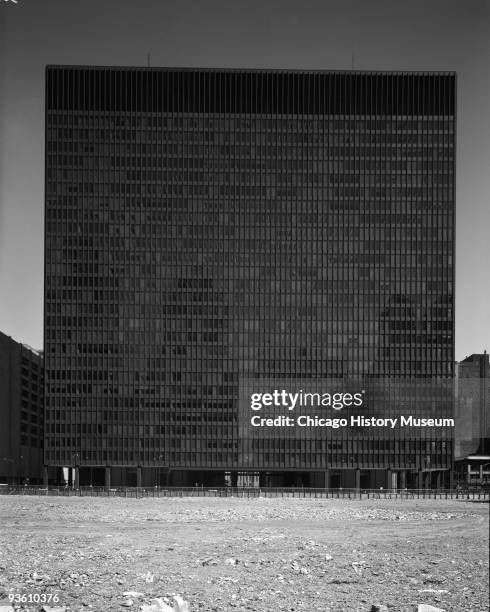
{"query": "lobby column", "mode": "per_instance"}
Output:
(327, 479)
(419, 479)
(45, 476)
(76, 482)
(107, 477)
(358, 479)
(388, 478)
(403, 479)
(138, 476)
(439, 480)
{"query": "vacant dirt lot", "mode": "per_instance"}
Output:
(240, 554)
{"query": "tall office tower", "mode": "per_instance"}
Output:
(206, 229)
(21, 412)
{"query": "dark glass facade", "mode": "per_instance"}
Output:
(205, 227)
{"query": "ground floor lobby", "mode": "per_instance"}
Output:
(333, 478)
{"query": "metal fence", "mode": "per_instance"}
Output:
(473, 494)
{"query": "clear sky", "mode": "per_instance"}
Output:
(314, 34)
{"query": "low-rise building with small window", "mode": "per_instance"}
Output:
(21, 412)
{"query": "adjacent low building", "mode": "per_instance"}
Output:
(472, 435)
(21, 412)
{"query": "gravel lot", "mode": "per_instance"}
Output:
(241, 554)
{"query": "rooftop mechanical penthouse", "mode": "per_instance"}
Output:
(211, 228)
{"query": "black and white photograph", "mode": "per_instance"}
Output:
(244, 305)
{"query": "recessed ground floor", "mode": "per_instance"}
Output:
(333, 478)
